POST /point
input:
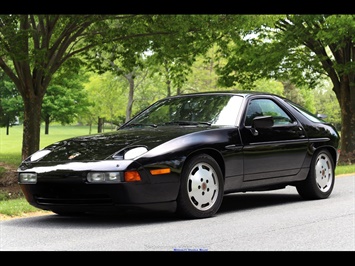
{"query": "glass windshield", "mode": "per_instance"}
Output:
(191, 110)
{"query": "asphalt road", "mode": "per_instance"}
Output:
(255, 221)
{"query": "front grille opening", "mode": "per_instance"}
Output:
(98, 199)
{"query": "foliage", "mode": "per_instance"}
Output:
(298, 51)
(65, 99)
(271, 86)
(301, 50)
(11, 104)
(106, 95)
(34, 47)
(326, 103)
(203, 76)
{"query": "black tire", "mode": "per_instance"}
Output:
(201, 188)
(320, 181)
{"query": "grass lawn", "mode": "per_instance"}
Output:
(11, 144)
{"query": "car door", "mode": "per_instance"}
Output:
(275, 151)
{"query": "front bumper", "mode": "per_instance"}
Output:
(101, 198)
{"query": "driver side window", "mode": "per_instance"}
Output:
(253, 111)
(267, 107)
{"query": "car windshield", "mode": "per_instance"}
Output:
(190, 110)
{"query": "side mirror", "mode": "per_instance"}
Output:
(263, 122)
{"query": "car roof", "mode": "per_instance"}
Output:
(243, 93)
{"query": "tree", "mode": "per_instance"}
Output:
(11, 105)
(203, 76)
(171, 49)
(105, 93)
(65, 98)
(327, 104)
(302, 49)
(34, 47)
(133, 74)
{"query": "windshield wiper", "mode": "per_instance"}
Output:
(140, 125)
(187, 123)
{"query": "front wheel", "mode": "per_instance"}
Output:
(201, 188)
(321, 177)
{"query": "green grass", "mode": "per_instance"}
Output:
(345, 169)
(16, 207)
(2, 170)
(10, 153)
(11, 145)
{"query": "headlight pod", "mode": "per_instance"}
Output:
(134, 152)
(104, 177)
(38, 155)
(27, 178)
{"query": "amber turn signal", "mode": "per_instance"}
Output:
(132, 176)
(160, 171)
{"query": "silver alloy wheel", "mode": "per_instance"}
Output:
(202, 186)
(323, 172)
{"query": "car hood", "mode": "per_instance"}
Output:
(112, 145)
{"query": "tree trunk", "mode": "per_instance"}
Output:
(168, 86)
(46, 125)
(7, 125)
(168, 81)
(31, 126)
(100, 124)
(346, 99)
(130, 98)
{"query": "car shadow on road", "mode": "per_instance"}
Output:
(251, 200)
(236, 202)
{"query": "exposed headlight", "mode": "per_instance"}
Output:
(38, 155)
(104, 177)
(27, 178)
(135, 152)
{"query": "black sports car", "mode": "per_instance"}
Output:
(183, 154)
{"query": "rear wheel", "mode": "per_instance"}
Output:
(201, 188)
(321, 177)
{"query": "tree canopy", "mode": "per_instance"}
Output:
(299, 51)
(34, 47)
(303, 50)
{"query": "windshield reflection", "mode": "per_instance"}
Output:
(192, 110)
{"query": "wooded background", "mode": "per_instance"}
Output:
(92, 69)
